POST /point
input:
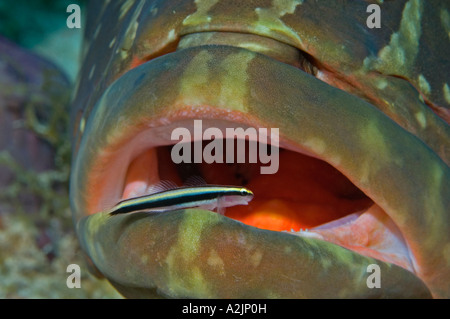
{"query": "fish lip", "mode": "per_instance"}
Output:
(132, 236)
(74, 186)
(404, 258)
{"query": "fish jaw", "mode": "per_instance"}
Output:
(364, 144)
(206, 255)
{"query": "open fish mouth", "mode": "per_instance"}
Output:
(306, 196)
(340, 201)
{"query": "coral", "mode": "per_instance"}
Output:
(30, 271)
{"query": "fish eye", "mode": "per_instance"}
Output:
(244, 192)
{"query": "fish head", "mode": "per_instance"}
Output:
(363, 146)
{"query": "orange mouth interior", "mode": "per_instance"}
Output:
(305, 192)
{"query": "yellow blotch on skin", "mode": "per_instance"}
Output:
(189, 238)
(445, 21)
(335, 160)
(189, 281)
(198, 283)
(129, 37)
(215, 261)
(373, 140)
(144, 259)
(201, 15)
(399, 55)
(82, 125)
(424, 85)
(130, 33)
(446, 90)
(184, 280)
(434, 203)
(195, 79)
(381, 84)
(111, 44)
(189, 235)
(126, 6)
(88, 238)
(316, 144)
(255, 258)
(171, 36)
(269, 19)
(234, 82)
(421, 119)
(286, 6)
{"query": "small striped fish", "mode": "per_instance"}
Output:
(208, 197)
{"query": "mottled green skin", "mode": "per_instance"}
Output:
(334, 34)
(394, 148)
(206, 255)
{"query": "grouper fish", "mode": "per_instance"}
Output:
(363, 185)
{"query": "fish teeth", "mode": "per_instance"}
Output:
(301, 230)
